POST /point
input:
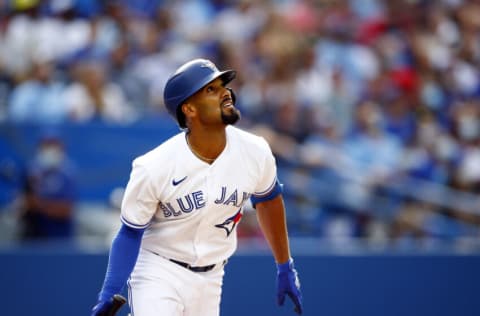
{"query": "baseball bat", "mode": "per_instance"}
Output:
(118, 302)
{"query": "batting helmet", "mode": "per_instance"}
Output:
(187, 80)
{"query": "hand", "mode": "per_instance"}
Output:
(289, 284)
(109, 307)
(102, 308)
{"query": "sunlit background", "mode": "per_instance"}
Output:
(371, 107)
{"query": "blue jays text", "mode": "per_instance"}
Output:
(195, 200)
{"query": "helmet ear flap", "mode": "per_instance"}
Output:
(234, 96)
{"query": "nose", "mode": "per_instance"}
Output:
(225, 92)
(232, 95)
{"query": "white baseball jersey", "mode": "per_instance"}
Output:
(190, 208)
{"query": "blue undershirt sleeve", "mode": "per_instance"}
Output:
(276, 190)
(121, 261)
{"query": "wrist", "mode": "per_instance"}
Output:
(286, 266)
(104, 296)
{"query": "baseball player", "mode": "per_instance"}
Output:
(184, 200)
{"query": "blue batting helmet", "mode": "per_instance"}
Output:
(187, 80)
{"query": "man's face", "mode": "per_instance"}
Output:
(50, 154)
(214, 104)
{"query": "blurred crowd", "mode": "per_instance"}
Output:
(372, 107)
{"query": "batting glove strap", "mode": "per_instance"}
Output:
(289, 284)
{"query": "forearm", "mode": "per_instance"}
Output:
(271, 217)
(122, 259)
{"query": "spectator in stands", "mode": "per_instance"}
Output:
(91, 96)
(373, 155)
(39, 98)
(49, 193)
(122, 74)
(466, 127)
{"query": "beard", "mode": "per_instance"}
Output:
(231, 117)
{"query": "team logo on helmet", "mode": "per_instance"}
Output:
(230, 223)
(208, 64)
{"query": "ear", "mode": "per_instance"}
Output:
(188, 109)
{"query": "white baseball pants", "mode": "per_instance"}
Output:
(159, 287)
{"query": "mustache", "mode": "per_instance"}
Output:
(227, 100)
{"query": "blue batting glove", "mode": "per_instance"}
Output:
(102, 308)
(289, 284)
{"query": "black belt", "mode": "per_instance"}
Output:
(194, 269)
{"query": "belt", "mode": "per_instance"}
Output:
(188, 266)
(194, 269)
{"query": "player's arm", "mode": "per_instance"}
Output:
(271, 217)
(138, 206)
(267, 200)
(123, 256)
(272, 221)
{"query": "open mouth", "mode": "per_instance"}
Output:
(228, 102)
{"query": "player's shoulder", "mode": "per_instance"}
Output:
(161, 154)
